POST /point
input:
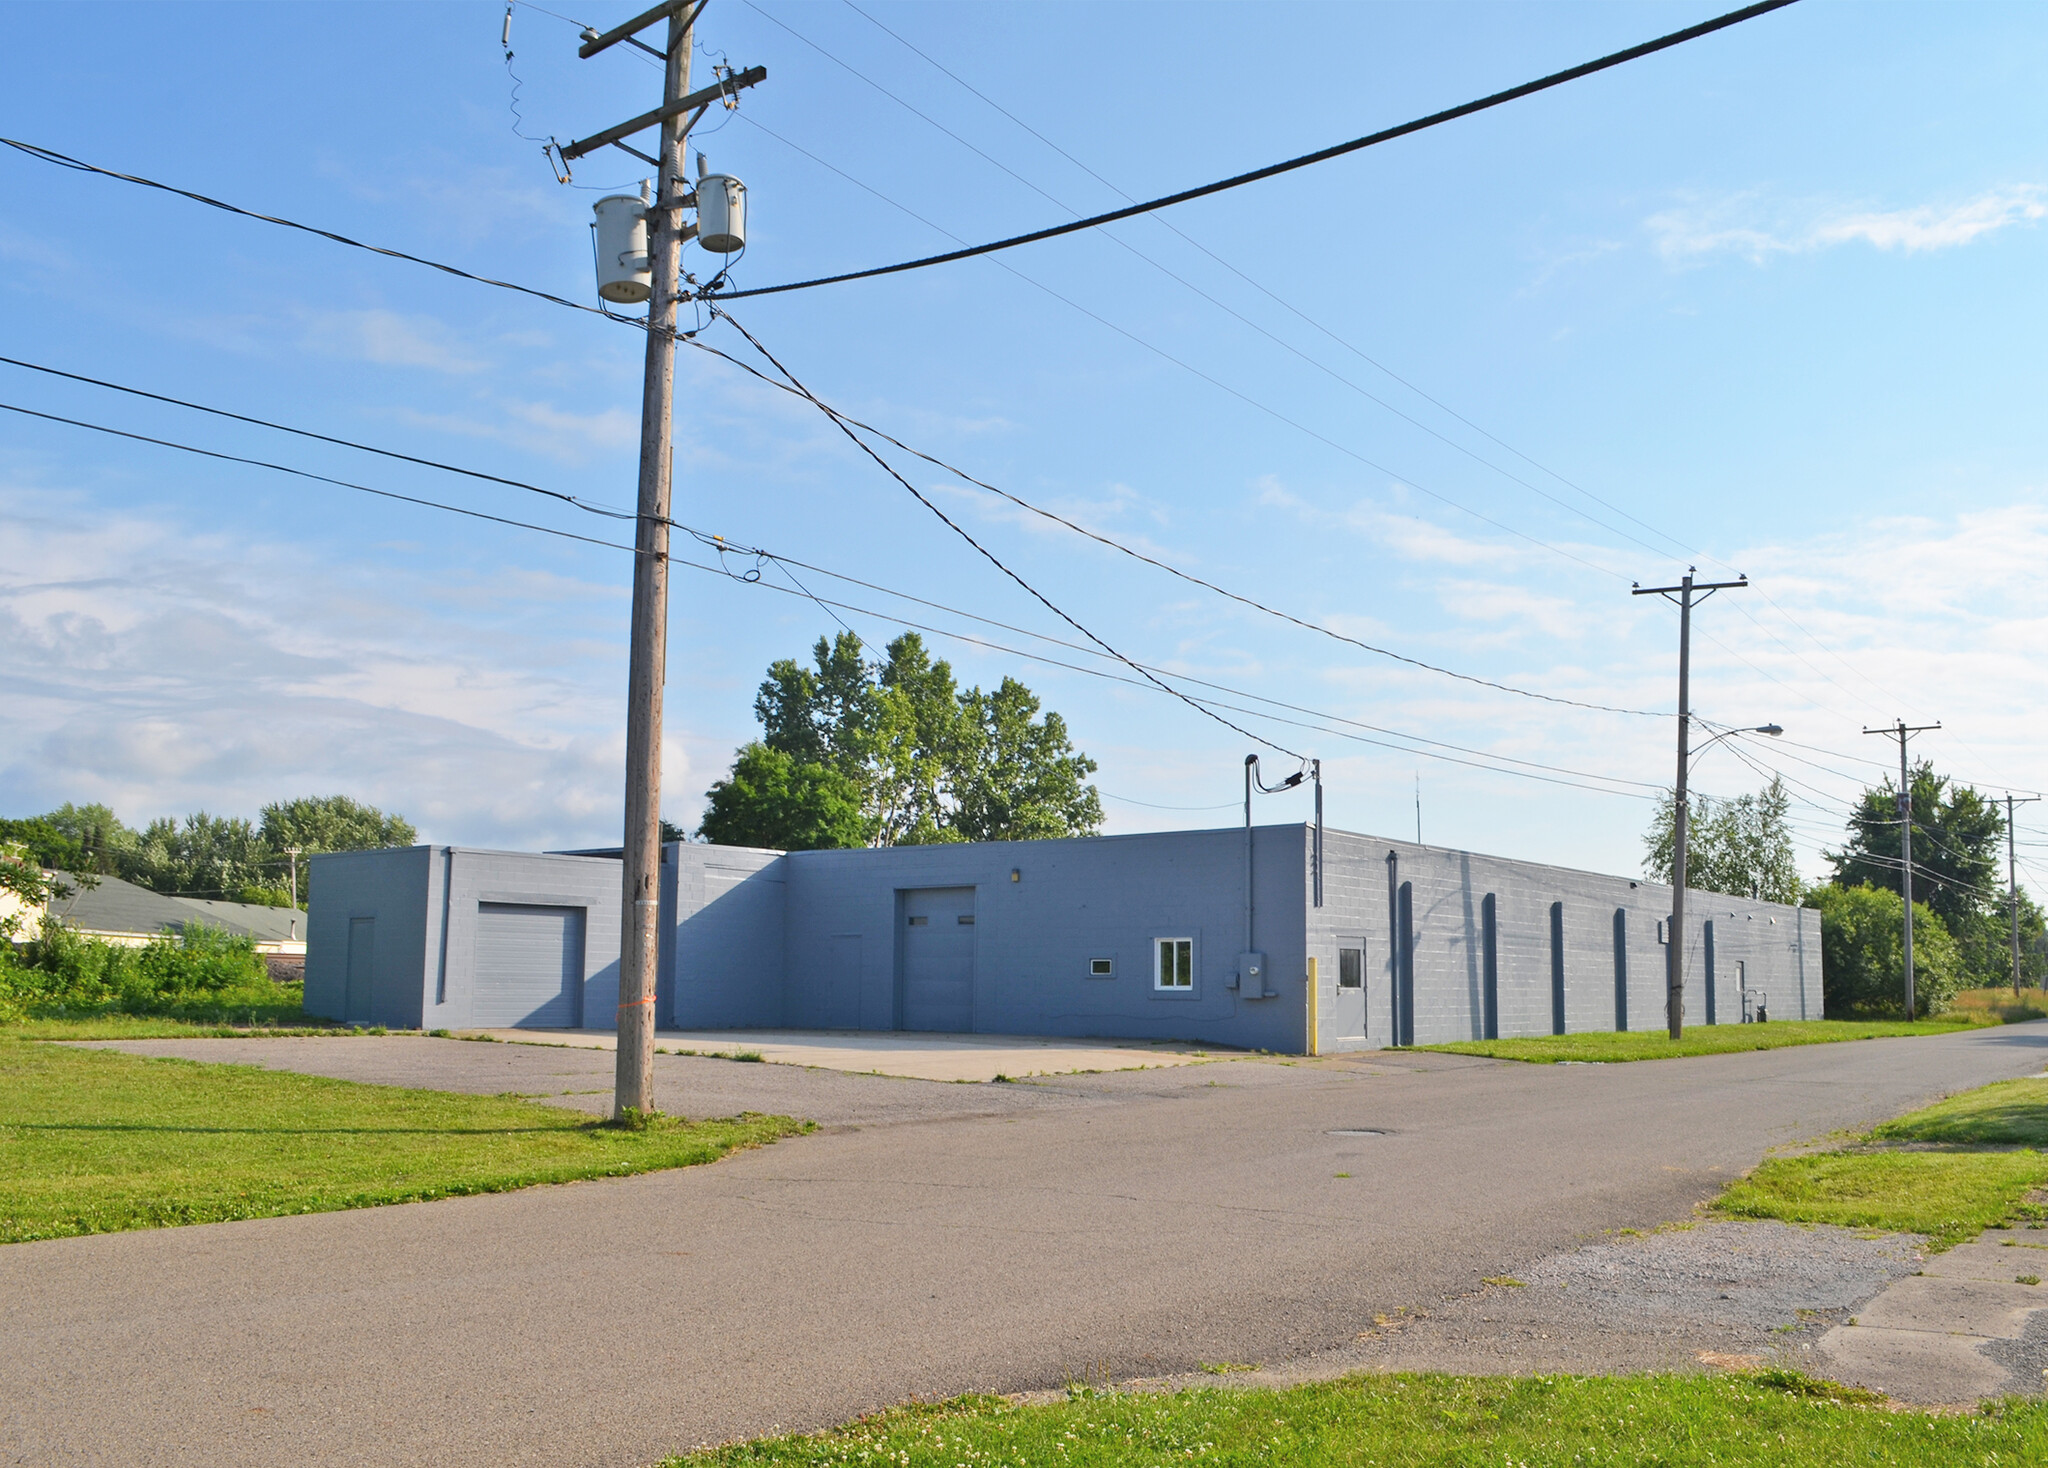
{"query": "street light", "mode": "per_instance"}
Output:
(1774, 730)
(1251, 965)
(1675, 955)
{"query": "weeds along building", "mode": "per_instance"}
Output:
(1191, 935)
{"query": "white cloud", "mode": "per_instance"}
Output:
(1750, 226)
(162, 668)
(391, 339)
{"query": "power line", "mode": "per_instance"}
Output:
(1183, 281)
(1153, 685)
(1317, 325)
(1153, 561)
(346, 443)
(62, 160)
(724, 546)
(987, 554)
(1662, 43)
(322, 478)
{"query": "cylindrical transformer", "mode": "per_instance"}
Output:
(721, 213)
(624, 275)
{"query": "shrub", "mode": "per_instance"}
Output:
(65, 971)
(1862, 947)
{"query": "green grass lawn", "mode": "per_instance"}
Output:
(1607, 1046)
(1775, 1418)
(92, 1141)
(1950, 1171)
(114, 1026)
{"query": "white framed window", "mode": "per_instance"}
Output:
(1102, 968)
(1175, 966)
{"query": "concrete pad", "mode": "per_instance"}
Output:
(1974, 1307)
(1990, 1261)
(919, 1056)
(1910, 1365)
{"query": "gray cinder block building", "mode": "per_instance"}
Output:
(1138, 937)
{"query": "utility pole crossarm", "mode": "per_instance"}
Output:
(1902, 731)
(694, 101)
(632, 28)
(1686, 595)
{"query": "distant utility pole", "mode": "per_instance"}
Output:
(2012, 878)
(1902, 733)
(1686, 595)
(292, 862)
(639, 933)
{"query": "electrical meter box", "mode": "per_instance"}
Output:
(1251, 977)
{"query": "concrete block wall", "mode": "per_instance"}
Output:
(1072, 901)
(390, 888)
(424, 903)
(1780, 944)
(724, 927)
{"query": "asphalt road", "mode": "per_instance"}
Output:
(933, 1239)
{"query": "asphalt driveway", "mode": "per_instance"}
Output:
(932, 1239)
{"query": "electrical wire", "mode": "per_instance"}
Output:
(62, 160)
(346, 443)
(322, 478)
(987, 554)
(1179, 279)
(1271, 170)
(1152, 684)
(723, 546)
(1348, 346)
(1170, 569)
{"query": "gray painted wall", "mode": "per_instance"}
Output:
(816, 939)
(1780, 944)
(425, 900)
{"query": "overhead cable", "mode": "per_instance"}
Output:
(1271, 170)
(1024, 504)
(62, 160)
(1205, 704)
(723, 546)
(1218, 303)
(986, 553)
(568, 499)
(322, 478)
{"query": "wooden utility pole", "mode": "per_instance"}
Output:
(1689, 594)
(1901, 732)
(639, 922)
(640, 927)
(2012, 879)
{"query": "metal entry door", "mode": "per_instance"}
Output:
(1347, 1012)
(359, 989)
(938, 959)
(529, 965)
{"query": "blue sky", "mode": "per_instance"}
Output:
(1769, 303)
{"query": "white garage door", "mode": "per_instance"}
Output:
(529, 965)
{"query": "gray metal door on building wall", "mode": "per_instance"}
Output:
(938, 959)
(529, 965)
(362, 957)
(1347, 1011)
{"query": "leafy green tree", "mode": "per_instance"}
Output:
(1741, 845)
(1985, 941)
(771, 799)
(104, 845)
(895, 753)
(1956, 836)
(316, 823)
(1019, 777)
(202, 856)
(1862, 944)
